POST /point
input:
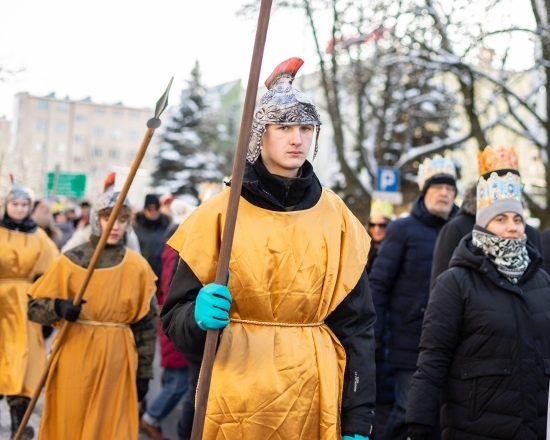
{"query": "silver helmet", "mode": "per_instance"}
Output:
(104, 201)
(282, 104)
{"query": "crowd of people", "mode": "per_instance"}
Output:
(430, 325)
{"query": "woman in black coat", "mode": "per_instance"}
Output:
(485, 346)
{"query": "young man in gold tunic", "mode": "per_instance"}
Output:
(296, 356)
(26, 252)
(105, 363)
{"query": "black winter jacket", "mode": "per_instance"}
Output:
(400, 283)
(458, 227)
(352, 321)
(486, 346)
(152, 237)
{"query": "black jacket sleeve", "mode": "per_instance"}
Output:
(447, 240)
(353, 324)
(440, 335)
(145, 336)
(178, 313)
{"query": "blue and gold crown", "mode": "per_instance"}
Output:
(433, 167)
(498, 188)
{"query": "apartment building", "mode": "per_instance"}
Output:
(82, 137)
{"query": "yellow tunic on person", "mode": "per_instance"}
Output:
(273, 381)
(91, 390)
(23, 257)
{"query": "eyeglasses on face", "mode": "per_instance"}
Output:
(380, 225)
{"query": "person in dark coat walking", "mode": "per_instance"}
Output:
(500, 160)
(150, 226)
(485, 346)
(400, 280)
(381, 213)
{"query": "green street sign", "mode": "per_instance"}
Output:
(68, 184)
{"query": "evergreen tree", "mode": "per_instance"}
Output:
(194, 146)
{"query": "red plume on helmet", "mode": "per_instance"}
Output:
(287, 68)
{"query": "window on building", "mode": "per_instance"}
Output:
(41, 125)
(100, 110)
(96, 152)
(79, 139)
(43, 105)
(114, 153)
(60, 127)
(62, 107)
(134, 135)
(134, 114)
(38, 147)
(80, 118)
(98, 131)
(116, 134)
(61, 147)
(77, 159)
(117, 112)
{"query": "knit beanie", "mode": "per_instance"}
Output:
(496, 195)
(152, 199)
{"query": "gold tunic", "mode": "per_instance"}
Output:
(23, 257)
(91, 390)
(273, 381)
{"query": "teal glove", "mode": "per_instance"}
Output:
(212, 306)
(355, 437)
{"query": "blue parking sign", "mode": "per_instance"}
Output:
(387, 179)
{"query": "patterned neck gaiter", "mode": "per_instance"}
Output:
(509, 256)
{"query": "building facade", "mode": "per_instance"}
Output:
(49, 134)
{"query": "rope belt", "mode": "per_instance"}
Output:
(279, 324)
(101, 324)
(16, 280)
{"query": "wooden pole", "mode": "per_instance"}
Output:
(231, 215)
(152, 124)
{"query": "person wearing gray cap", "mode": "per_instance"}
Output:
(485, 347)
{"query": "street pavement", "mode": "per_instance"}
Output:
(169, 425)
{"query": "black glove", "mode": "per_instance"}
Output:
(419, 432)
(142, 386)
(65, 309)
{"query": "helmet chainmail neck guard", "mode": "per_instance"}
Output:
(282, 104)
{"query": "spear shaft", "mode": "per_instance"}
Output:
(231, 215)
(152, 124)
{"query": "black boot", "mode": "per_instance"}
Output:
(17, 413)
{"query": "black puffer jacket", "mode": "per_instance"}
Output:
(545, 242)
(486, 346)
(460, 226)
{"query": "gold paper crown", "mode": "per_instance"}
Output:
(498, 188)
(500, 158)
(381, 208)
(434, 166)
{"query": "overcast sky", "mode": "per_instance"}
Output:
(122, 50)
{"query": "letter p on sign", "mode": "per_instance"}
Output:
(388, 180)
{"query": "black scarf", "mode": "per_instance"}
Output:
(28, 225)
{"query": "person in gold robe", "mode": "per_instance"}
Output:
(296, 355)
(25, 254)
(103, 367)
